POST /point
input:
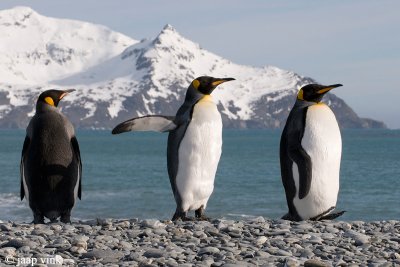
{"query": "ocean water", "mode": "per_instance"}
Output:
(125, 176)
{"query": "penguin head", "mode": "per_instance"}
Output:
(314, 92)
(206, 84)
(52, 97)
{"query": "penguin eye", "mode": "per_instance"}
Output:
(49, 101)
(196, 84)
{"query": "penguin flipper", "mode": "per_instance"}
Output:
(77, 153)
(304, 165)
(157, 123)
(22, 172)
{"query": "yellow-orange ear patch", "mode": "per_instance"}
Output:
(196, 84)
(49, 101)
(300, 95)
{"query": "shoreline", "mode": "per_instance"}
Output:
(258, 241)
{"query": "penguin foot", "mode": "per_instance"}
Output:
(199, 213)
(203, 218)
(183, 218)
(65, 218)
(181, 215)
(38, 219)
(290, 217)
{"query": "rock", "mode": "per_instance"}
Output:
(123, 224)
(80, 242)
(289, 262)
(107, 256)
(152, 223)
(208, 250)
(7, 251)
(281, 252)
(307, 253)
(60, 243)
(78, 250)
(360, 239)
(259, 219)
(154, 253)
(24, 249)
(16, 243)
(78, 238)
(243, 264)
(56, 227)
(331, 230)
(69, 262)
(222, 242)
(43, 232)
(315, 263)
(125, 245)
(68, 227)
(5, 227)
(260, 240)
(104, 222)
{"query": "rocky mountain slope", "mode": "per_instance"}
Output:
(117, 77)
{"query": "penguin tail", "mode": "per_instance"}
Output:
(328, 215)
(52, 215)
(333, 215)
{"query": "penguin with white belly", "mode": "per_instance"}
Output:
(310, 154)
(194, 145)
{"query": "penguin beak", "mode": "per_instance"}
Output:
(66, 92)
(219, 81)
(328, 88)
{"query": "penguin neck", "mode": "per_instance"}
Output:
(207, 98)
(43, 107)
(303, 103)
(192, 96)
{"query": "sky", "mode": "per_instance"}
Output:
(356, 43)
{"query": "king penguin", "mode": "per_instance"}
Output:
(51, 167)
(310, 154)
(194, 145)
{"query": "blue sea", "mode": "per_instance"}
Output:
(125, 176)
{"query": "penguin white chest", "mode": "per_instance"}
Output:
(199, 154)
(323, 143)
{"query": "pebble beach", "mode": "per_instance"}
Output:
(255, 242)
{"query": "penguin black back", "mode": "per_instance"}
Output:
(50, 162)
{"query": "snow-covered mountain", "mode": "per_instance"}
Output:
(117, 77)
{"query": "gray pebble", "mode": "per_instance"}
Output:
(107, 256)
(208, 250)
(43, 232)
(315, 263)
(260, 240)
(290, 262)
(154, 253)
(5, 227)
(281, 252)
(252, 242)
(151, 223)
(16, 243)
